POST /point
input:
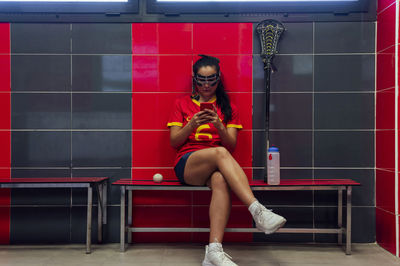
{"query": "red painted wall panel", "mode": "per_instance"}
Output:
(386, 28)
(386, 230)
(5, 134)
(162, 38)
(163, 55)
(385, 69)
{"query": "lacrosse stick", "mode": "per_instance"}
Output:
(269, 31)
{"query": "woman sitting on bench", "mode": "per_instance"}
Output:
(203, 139)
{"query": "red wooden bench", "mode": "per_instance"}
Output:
(100, 183)
(291, 184)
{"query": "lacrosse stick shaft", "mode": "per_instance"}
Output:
(267, 81)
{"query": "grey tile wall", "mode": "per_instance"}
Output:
(321, 118)
(71, 103)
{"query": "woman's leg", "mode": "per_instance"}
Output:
(220, 206)
(203, 163)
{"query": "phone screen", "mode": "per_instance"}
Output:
(206, 106)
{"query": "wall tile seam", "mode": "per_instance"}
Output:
(317, 92)
(384, 210)
(171, 167)
(386, 89)
(166, 130)
(65, 54)
(396, 125)
(383, 10)
(386, 48)
(195, 54)
(319, 130)
(107, 92)
(129, 54)
(390, 170)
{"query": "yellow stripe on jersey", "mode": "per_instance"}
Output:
(235, 126)
(212, 100)
(174, 124)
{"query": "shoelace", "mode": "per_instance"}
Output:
(259, 213)
(223, 256)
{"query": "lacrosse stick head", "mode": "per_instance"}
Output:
(269, 31)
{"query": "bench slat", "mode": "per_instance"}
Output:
(255, 183)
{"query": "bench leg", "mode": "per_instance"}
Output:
(122, 229)
(100, 214)
(104, 205)
(348, 225)
(129, 215)
(340, 215)
(89, 220)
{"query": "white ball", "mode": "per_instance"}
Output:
(157, 177)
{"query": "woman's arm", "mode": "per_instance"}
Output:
(178, 135)
(228, 135)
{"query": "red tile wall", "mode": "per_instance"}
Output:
(163, 55)
(5, 134)
(386, 216)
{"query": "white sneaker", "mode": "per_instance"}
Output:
(265, 219)
(217, 257)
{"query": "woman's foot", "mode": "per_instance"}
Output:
(215, 256)
(266, 221)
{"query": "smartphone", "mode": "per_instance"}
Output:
(206, 106)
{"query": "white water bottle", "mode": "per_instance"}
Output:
(273, 166)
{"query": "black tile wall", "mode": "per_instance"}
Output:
(101, 149)
(344, 149)
(71, 116)
(101, 111)
(344, 73)
(101, 73)
(321, 118)
(299, 116)
(40, 38)
(345, 37)
(101, 38)
(294, 73)
(40, 149)
(40, 73)
(41, 111)
(47, 225)
(344, 111)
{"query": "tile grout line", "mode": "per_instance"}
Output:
(313, 126)
(70, 163)
(375, 108)
(397, 127)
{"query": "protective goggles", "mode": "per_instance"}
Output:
(211, 80)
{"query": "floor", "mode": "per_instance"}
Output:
(192, 254)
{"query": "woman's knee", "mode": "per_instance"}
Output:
(221, 153)
(218, 181)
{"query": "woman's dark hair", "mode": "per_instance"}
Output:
(222, 98)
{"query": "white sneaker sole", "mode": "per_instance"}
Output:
(207, 264)
(274, 229)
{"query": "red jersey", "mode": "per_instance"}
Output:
(206, 135)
